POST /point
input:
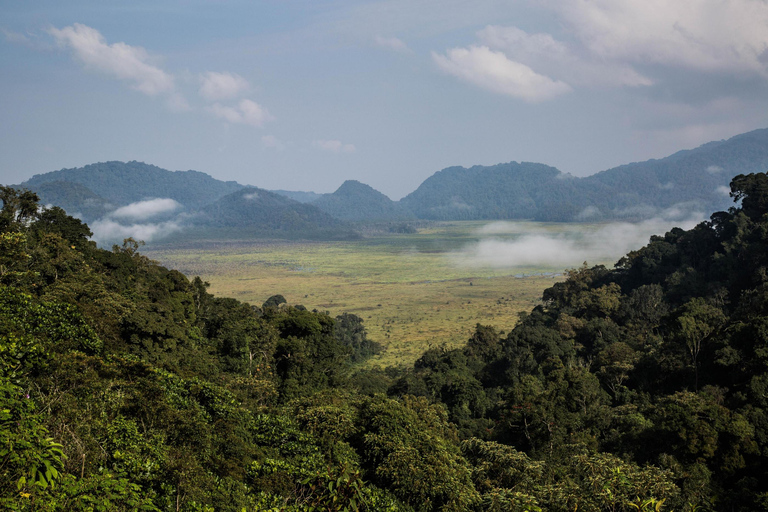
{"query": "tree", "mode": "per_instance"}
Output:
(752, 190)
(695, 323)
(19, 208)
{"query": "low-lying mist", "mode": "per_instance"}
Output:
(527, 244)
(143, 220)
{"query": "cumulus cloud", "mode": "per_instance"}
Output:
(708, 35)
(247, 112)
(108, 230)
(391, 43)
(143, 210)
(333, 146)
(511, 244)
(222, 86)
(547, 55)
(130, 63)
(493, 71)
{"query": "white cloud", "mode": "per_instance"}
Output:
(270, 141)
(222, 86)
(534, 245)
(714, 169)
(708, 35)
(143, 210)
(547, 55)
(252, 196)
(493, 71)
(392, 43)
(333, 146)
(247, 112)
(106, 230)
(122, 61)
(726, 191)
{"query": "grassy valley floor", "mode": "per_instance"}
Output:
(412, 290)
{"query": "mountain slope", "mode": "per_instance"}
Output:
(73, 197)
(355, 201)
(256, 211)
(699, 176)
(124, 183)
(687, 181)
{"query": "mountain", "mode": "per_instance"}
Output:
(73, 197)
(124, 183)
(296, 195)
(355, 201)
(677, 187)
(699, 176)
(504, 191)
(687, 181)
(256, 212)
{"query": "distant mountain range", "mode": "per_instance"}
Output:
(120, 196)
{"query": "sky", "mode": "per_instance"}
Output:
(303, 95)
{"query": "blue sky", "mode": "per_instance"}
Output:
(302, 95)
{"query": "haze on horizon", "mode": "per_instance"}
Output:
(302, 95)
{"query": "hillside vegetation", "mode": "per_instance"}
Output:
(126, 386)
(125, 183)
(691, 180)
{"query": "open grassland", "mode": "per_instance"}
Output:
(410, 289)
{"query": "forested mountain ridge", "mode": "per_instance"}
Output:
(355, 201)
(504, 191)
(201, 206)
(264, 213)
(126, 386)
(698, 175)
(691, 180)
(686, 183)
(124, 183)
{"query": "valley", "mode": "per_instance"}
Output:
(413, 291)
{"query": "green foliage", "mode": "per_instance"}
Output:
(30, 460)
(350, 332)
(409, 447)
(124, 386)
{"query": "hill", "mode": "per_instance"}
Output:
(73, 197)
(355, 201)
(689, 180)
(257, 212)
(296, 195)
(699, 176)
(126, 386)
(124, 183)
(504, 191)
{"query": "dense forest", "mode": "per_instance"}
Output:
(126, 386)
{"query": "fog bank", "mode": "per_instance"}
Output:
(526, 244)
